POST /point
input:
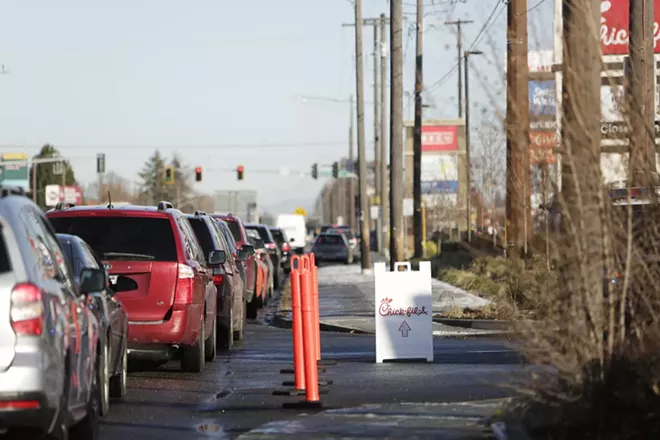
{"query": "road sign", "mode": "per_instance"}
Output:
(300, 211)
(404, 317)
(52, 195)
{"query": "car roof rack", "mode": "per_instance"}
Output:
(11, 190)
(198, 213)
(163, 205)
(61, 206)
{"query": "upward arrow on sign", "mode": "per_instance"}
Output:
(404, 329)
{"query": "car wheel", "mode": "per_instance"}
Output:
(88, 428)
(118, 382)
(103, 388)
(226, 332)
(192, 358)
(238, 334)
(210, 344)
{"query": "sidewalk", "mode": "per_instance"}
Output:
(346, 302)
(456, 421)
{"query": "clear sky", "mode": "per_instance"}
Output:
(219, 81)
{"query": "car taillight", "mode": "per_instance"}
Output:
(27, 311)
(218, 279)
(184, 285)
(271, 245)
(286, 247)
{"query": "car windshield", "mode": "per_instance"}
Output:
(278, 235)
(202, 233)
(123, 238)
(330, 239)
(263, 233)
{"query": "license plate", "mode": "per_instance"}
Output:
(113, 279)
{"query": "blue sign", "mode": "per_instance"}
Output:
(542, 98)
(440, 187)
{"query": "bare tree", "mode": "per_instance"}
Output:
(489, 161)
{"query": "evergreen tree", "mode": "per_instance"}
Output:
(55, 173)
(182, 193)
(154, 188)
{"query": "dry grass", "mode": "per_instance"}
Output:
(284, 304)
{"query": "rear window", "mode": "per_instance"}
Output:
(123, 238)
(4, 256)
(277, 235)
(330, 239)
(263, 234)
(235, 229)
(202, 233)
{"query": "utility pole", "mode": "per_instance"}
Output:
(377, 158)
(351, 187)
(518, 188)
(396, 132)
(417, 137)
(362, 160)
(468, 204)
(459, 24)
(384, 194)
(582, 192)
(641, 91)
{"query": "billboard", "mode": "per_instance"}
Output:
(439, 138)
(15, 174)
(542, 98)
(68, 194)
(614, 26)
(439, 173)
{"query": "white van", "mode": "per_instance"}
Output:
(295, 230)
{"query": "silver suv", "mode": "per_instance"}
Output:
(48, 337)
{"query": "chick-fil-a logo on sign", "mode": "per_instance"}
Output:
(614, 26)
(386, 309)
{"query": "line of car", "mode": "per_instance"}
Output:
(85, 288)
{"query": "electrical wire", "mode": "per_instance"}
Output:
(179, 147)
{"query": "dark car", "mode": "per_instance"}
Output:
(171, 308)
(239, 233)
(332, 247)
(112, 317)
(272, 248)
(231, 307)
(285, 248)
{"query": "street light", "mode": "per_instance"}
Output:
(468, 209)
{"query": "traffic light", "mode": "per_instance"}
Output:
(335, 170)
(100, 163)
(239, 172)
(315, 171)
(198, 174)
(169, 175)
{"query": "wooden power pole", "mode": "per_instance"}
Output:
(459, 35)
(417, 135)
(518, 210)
(396, 132)
(351, 158)
(377, 158)
(384, 193)
(362, 160)
(641, 91)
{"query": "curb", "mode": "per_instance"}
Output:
(283, 322)
(477, 324)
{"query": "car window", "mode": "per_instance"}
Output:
(235, 229)
(5, 266)
(278, 235)
(68, 250)
(43, 257)
(264, 233)
(197, 249)
(88, 259)
(62, 266)
(123, 238)
(220, 237)
(229, 238)
(203, 234)
(330, 239)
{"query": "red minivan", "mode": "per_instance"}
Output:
(167, 288)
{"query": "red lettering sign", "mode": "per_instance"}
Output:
(542, 144)
(439, 138)
(614, 26)
(386, 309)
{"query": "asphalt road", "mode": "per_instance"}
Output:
(234, 394)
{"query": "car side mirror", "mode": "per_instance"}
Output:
(124, 284)
(248, 248)
(242, 255)
(217, 257)
(93, 280)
